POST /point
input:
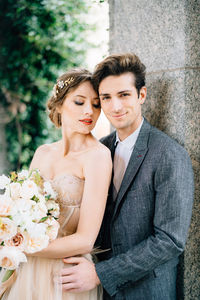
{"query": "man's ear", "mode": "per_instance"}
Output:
(143, 94)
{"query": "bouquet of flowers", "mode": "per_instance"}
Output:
(28, 213)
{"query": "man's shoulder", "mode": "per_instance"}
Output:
(163, 142)
(108, 140)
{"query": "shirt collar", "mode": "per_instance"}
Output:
(130, 141)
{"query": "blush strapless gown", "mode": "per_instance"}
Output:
(35, 278)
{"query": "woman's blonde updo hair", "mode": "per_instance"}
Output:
(65, 84)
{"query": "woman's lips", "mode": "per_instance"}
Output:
(86, 121)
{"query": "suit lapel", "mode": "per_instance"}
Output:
(111, 146)
(136, 159)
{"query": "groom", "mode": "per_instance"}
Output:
(150, 198)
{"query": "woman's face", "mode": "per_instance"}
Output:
(81, 109)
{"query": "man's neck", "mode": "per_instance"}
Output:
(123, 133)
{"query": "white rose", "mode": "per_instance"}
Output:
(52, 229)
(42, 198)
(39, 211)
(36, 229)
(29, 189)
(15, 190)
(11, 257)
(7, 229)
(4, 180)
(35, 244)
(23, 206)
(23, 174)
(22, 219)
(49, 190)
(53, 208)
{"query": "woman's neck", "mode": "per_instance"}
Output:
(73, 142)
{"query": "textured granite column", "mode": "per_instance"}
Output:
(166, 36)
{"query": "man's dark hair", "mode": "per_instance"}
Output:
(118, 64)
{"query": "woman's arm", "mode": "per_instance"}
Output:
(97, 172)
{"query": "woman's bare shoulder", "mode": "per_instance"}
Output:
(41, 154)
(98, 152)
(43, 150)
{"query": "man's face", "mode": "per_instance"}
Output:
(120, 102)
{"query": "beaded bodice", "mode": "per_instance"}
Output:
(70, 191)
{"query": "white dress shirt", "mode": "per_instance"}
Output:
(122, 156)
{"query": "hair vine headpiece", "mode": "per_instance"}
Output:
(61, 84)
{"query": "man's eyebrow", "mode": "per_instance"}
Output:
(125, 91)
(104, 94)
(120, 92)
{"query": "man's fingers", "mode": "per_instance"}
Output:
(74, 291)
(69, 286)
(73, 260)
(67, 271)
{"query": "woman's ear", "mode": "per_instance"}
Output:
(59, 109)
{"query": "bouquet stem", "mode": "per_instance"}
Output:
(7, 275)
(8, 279)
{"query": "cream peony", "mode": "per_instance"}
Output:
(7, 229)
(15, 190)
(39, 211)
(11, 257)
(49, 190)
(36, 229)
(23, 174)
(29, 189)
(52, 228)
(4, 180)
(16, 241)
(6, 205)
(5, 209)
(35, 244)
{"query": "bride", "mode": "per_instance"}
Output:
(79, 168)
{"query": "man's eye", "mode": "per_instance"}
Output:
(125, 95)
(105, 98)
(78, 102)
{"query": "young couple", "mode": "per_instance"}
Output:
(140, 209)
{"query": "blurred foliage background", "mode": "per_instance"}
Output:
(38, 40)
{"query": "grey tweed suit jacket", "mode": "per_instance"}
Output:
(145, 228)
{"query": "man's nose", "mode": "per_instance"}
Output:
(116, 104)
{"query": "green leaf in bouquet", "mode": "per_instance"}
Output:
(20, 181)
(47, 197)
(43, 219)
(2, 243)
(36, 199)
(13, 176)
(37, 179)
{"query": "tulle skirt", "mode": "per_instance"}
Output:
(35, 281)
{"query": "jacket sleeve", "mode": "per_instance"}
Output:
(173, 186)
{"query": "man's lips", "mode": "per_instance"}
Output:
(118, 116)
(86, 121)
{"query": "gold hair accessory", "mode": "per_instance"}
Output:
(61, 84)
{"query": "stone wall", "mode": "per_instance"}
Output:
(166, 37)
